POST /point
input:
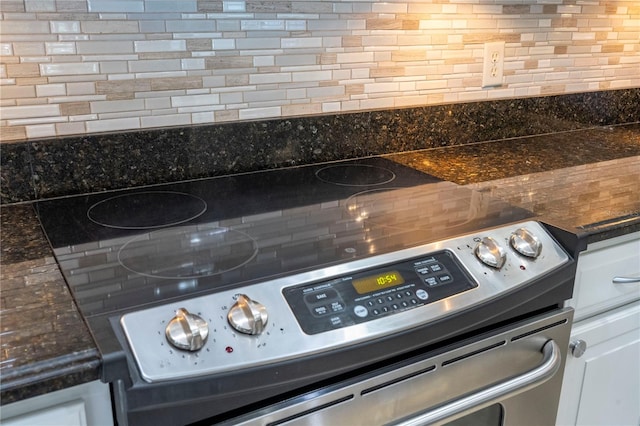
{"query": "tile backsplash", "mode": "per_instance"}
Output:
(76, 67)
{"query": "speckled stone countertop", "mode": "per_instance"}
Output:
(45, 343)
(585, 181)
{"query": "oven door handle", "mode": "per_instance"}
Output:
(551, 362)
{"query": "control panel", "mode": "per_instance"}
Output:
(376, 293)
(336, 306)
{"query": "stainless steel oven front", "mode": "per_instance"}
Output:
(511, 376)
(424, 335)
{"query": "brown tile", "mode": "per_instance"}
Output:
(75, 108)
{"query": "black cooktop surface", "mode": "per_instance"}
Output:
(122, 250)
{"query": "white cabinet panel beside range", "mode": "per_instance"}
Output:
(601, 383)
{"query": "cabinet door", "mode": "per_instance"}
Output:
(602, 387)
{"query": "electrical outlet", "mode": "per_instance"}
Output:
(493, 64)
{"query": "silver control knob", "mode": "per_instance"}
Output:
(187, 331)
(490, 253)
(248, 316)
(578, 348)
(525, 243)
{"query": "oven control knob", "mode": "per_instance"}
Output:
(187, 331)
(525, 243)
(247, 316)
(490, 253)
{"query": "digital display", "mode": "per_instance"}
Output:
(377, 281)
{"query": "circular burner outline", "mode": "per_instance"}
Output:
(393, 175)
(197, 228)
(177, 222)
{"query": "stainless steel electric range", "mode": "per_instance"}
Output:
(268, 297)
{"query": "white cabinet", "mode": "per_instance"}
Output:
(88, 404)
(602, 386)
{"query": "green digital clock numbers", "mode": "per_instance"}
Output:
(377, 281)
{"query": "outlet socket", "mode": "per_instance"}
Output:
(493, 64)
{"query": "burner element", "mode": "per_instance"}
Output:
(146, 210)
(187, 252)
(355, 175)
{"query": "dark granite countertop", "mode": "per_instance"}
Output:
(45, 344)
(584, 180)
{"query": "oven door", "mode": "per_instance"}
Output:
(511, 376)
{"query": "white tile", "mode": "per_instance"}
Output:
(192, 63)
(28, 49)
(263, 61)
(29, 111)
(6, 49)
(157, 103)
(117, 106)
(255, 113)
(301, 42)
(114, 124)
(192, 109)
(182, 101)
(234, 6)
(202, 117)
(104, 47)
(311, 76)
(39, 6)
(41, 131)
(270, 78)
(65, 27)
(256, 43)
(159, 65)
(153, 6)
(160, 46)
(116, 6)
(87, 88)
(69, 68)
(166, 120)
(46, 90)
(36, 120)
(113, 67)
(223, 44)
(110, 26)
(262, 25)
(190, 25)
(60, 48)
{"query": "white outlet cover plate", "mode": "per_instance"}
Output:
(493, 69)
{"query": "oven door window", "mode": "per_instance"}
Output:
(489, 416)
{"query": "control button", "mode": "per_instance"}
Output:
(375, 312)
(445, 278)
(404, 303)
(489, 252)
(360, 311)
(370, 303)
(395, 307)
(385, 309)
(320, 310)
(390, 298)
(423, 271)
(399, 295)
(336, 321)
(337, 307)
(422, 294)
(408, 293)
(414, 302)
(431, 281)
(321, 296)
(436, 268)
(380, 301)
(525, 243)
